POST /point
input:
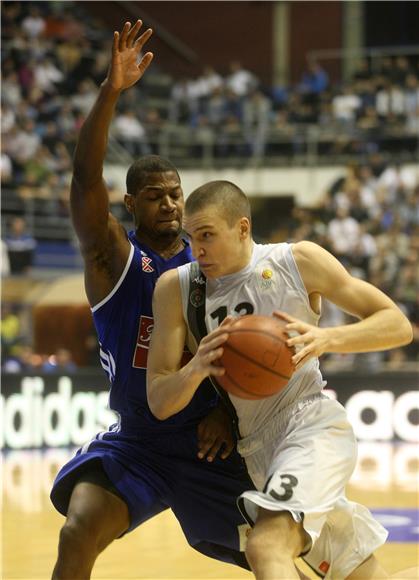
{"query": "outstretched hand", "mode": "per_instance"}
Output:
(307, 340)
(125, 70)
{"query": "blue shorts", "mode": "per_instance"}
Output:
(153, 473)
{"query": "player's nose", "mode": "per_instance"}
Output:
(197, 251)
(168, 204)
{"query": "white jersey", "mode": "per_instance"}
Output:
(271, 281)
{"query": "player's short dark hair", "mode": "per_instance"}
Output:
(226, 196)
(140, 169)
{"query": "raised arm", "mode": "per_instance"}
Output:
(103, 241)
(169, 387)
(382, 324)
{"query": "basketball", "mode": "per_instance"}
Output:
(256, 357)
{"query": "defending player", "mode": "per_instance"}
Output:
(298, 445)
(141, 466)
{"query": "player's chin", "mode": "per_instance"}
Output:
(169, 228)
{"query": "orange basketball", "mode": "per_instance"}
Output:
(256, 357)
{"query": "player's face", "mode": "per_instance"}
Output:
(219, 247)
(158, 206)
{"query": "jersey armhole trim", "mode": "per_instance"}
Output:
(118, 284)
(302, 291)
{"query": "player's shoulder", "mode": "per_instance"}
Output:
(305, 249)
(168, 281)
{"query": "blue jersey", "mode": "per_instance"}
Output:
(124, 321)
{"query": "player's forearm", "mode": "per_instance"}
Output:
(93, 138)
(385, 329)
(169, 394)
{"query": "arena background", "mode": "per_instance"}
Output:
(313, 109)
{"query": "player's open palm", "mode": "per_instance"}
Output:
(126, 69)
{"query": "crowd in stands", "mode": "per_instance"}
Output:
(369, 219)
(52, 65)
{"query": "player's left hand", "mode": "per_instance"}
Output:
(215, 434)
(309, 342)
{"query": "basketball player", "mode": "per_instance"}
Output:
(298, 445)
(141, 466)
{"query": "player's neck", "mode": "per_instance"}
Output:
(165, 247)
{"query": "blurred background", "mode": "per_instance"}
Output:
(311, 107)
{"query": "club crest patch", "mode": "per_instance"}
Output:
(146, 264)
(197, 297)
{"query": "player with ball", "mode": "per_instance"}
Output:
(299, 448)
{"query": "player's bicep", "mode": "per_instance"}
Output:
(359, 298)
(169, 332)
(324, 274)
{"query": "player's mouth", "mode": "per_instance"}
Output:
(169, 221)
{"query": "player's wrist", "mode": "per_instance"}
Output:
(110, 88)
(192, 374)
(334, 338)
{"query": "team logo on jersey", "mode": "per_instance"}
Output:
(265, 278)
(146, 264)
(324, 566)
(145, 329)
(199, 280)
(197, 297)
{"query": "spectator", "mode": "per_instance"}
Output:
(215, 107)
(85, 96)
(411, 103)
(314, 81)
(131, 133)
(11, 334)
(60, 362)
(183, 106)
(25, 361)
(390, 100)
(346, 105)
(240, 81)
(5, 262)
(21, 247)
(33, 24)
(343, 232)
(8, 118)
(6, 168)
(256, 116)
(47, 75)
(208, 82)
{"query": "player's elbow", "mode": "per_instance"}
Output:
(406, 331)
(157, 404)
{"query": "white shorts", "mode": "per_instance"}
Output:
(301, 462)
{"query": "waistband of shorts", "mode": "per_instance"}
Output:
(258, 439)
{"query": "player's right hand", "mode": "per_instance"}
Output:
(125, 70)
(209, 351)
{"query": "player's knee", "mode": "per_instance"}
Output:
(79, 533)
(260, 546)
(275, 536)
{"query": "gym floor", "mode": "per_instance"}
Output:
(386, 480)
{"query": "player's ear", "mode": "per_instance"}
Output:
(129, 202)
(244, 228)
